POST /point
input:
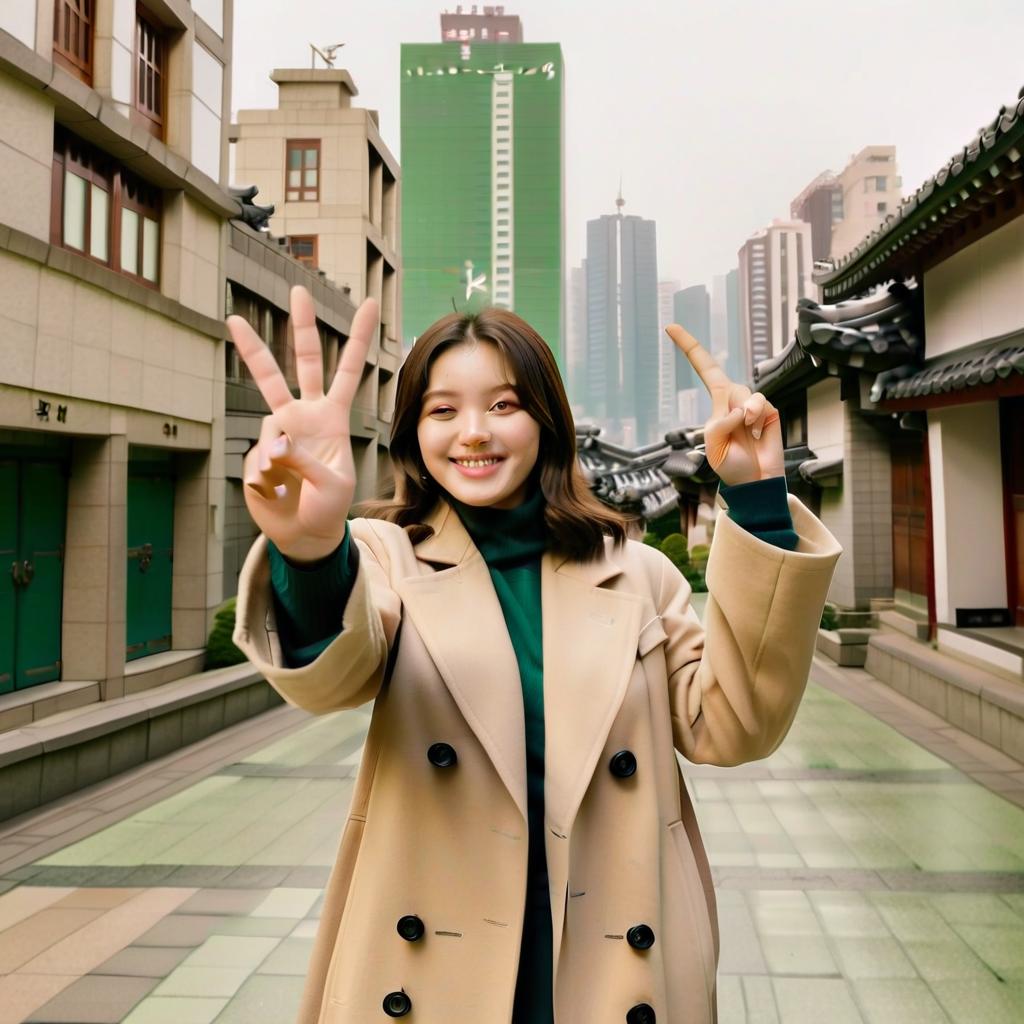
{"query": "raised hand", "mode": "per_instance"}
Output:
(299, 479)
(743, 437)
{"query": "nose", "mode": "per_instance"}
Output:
(474, 432)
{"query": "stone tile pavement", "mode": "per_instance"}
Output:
(871, 870)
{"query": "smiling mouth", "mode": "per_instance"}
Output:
(476, 463)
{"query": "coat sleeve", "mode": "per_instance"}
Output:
(736, 682)
(349, 671)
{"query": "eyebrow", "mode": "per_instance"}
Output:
(444, 393)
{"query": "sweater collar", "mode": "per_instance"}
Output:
(504, 535)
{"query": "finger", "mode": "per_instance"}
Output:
(754, 412)
(259, 473)
(309, 359)
(713, 376)
(353, 354)
(262, 365)
(288, 454)
(718, 436)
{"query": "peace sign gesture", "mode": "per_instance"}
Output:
(743, 438)
(299, 478)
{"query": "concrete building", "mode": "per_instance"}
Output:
(111, 351)
(483, 207)
(667, 410)
(903, 411)
(692, 311)
(871, 191)
(726, 345)
(333, 183)
(576, 339)
(774, 274)
(820, 204)
(482, 24)
(622, 327)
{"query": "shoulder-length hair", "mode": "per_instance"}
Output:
(576, 521)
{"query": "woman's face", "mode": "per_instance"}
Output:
(477, 441)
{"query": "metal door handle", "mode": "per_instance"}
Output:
(28, 570)
(16, 574)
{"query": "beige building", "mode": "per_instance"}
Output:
(334, 184)
(774, 274)
(871, 191)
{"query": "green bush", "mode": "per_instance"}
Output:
(652, 540)
(674, 547)
(220, 651)
(699, 555)
(696, 580)
(829, 617)
(665, 525)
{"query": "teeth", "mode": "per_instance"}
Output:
(476, 463)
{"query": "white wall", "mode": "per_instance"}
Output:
(19, 18)
(212, 12)
(967, 508)
(978, 293)
(207, 101)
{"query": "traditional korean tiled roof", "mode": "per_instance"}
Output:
(626, 479)
(822, 472)
(963, 370)
(971, 180)
(873, 333)
(257, 217)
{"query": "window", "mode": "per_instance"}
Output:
(103, 210)
(302, 182)
(150, 69)
(880, 183)
(72, 36)
(882, 207)
(303, 248)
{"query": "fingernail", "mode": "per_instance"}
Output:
(280, 490)
(279, 447)
(757, 435)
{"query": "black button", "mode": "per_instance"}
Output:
(642, 1013)
(442, 755)
(640, 936)
(623, 764)
(411, 928)
(398, 1004)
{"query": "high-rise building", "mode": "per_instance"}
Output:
(872, 189)
(481, 24)
(667, 411)
(482, 204)
(576, 338)
(725, 324)
(774, 273)
(622, 326)
(692, 311)
(820, 204)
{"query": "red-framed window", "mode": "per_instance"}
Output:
(302, 170)
(72, 36)
(150, 72)
(304, 249)
(103, 210)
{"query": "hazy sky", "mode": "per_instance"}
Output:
(716, 114)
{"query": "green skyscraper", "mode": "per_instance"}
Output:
(482, 177)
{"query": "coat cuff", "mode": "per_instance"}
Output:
(761, 508)
(310, 600)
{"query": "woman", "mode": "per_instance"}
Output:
(520, 846)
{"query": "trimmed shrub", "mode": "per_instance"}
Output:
(652, 540)
(674, 548)
(220, 651)
(699, 555)
(665, 525)
(696, 580)
(829, 617)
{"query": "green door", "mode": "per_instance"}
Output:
(32, 520)
(150, 542)
(8, 570)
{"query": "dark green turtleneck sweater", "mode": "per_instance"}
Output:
(309, 601)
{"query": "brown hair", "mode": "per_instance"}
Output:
(576, 521)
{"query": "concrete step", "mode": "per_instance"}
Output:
(64, 752)
(892, 621)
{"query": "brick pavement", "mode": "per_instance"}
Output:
(871, 870)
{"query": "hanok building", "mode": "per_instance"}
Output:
(907, 386)
(114, 218)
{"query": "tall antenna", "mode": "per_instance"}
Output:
(620, 202)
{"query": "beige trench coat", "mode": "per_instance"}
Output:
(627, 667)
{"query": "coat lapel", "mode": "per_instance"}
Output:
(458, 616)
(590, 637)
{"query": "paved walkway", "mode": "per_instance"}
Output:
(868, 871)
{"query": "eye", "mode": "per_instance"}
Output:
(504, 405)
(442, 410)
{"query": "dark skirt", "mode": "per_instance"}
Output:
(534, 984)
